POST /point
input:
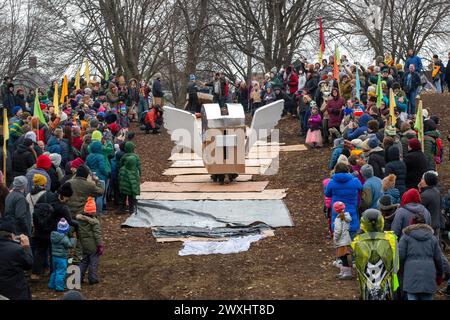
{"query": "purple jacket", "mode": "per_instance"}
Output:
(315, 122)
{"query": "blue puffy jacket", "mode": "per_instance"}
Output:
(60, 147)
(416, 61)
(362, 127)
(96, 160)
(334, 157)
(345, 187)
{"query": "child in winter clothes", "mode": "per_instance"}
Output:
(388, 188)
(60, 249)
(314, 135)
(342, 240)
(129, 175)
(153, 120)
(91, 241)
(124, 120)
(327, 206)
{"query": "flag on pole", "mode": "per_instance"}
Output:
(418, 126)
(392, 106)
(37, 109)
(64, 89)
(337, 62)
(87, 75)
(357, 85)
(5, 139)
(77, 80)
(107, 74)
(55, 99)
(379, 92)
(322, 41)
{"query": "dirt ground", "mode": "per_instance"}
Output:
(295, 264)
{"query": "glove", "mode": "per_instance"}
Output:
(100, 250)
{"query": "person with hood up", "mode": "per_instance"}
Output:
(374, 155)
(410, 205)
(396, 167)
(129, 175)
(314, 135)
(387, 209)
(23, 158)
(337, 151)
(406, 134)
(431, 137)
(345, 187)
(43, 165)
(96, 163)
(355, 131)
(420, 256)
(16, 207)
(416, 164)
(388, 188)
(431, 199)
(335, 104)
(342, 240)
(371, 191)
(56, 144)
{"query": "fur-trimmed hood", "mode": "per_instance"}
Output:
(420, 231)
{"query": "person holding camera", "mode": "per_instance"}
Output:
(15, 258)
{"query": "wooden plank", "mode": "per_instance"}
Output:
(265, 233)
(200, 163)
(253, 186)
(263, 155)
(265, 143)
(184, 156)
(271, 194)
(198, 178)
(298, 147)
(184, 171)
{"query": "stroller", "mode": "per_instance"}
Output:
(445, 221)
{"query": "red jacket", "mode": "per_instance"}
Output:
(77, 142)
(293, 82)
(151, 117)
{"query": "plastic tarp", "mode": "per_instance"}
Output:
(233, 245)
(209, 214)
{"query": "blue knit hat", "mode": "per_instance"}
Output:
(63, 226)
(16, 109)
(373, 143)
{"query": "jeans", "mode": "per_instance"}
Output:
(58, 277)
(420, 296)
(99, 200)
(438, 86)
(412, 101)
(90, 264)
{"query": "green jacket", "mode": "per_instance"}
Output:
(90, 233)
(129, 152)
(82, 189)
(430, 147)
(108, 151)
(129, 177)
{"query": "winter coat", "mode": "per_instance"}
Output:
(406, 136)
(90, 233)
(377, 161)
(157, 89)
(431, 199)
(415, 81)
(430, 147)
(33, 197)
(315, 122)
(362, 127)
(416, 61)
(345, 187)
(293, 82)
(341, 235)
(23, 159)
(394, 193)
(371, 192)
(14, 260)
(18, 211)
(334, 109)
(397, 167)
(60, 147)
(54, 178)
(334, 157)
(61, 244)
(416, 166)
(421, 259)
(30, 175)
(96, 160)
(129, 179)
(403, 216)
(82, 190)
(129, 152)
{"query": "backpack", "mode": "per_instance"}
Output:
(43, 215)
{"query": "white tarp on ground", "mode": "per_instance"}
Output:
(209, 214)
(233, 245)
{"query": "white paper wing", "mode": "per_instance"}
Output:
(264, 121)
(184, 129)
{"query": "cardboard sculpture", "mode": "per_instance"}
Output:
(220, 137)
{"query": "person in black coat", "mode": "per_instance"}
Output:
(9, 101)
(447, 73)
(416, 164)
(375, 155)
(395, 166)
(431, 199)
(15, 258)
(23, 158)
(20, 98)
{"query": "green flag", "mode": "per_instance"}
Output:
(419, 124)
(37, 109)
(379, 92)
(107, 74)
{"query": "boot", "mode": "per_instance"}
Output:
(341, 273)
(347, 274)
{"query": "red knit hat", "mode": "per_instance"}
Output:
(76, 163)
(43, 162)
(43, 106)
(412, 195)
(414, 144)
(114, 128)
(338, 206)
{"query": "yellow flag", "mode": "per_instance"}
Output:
(5, 139)
(64, 89)
(87, 75)
(77, 80)
(392, 106)
(56, 100)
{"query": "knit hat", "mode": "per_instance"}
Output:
(76, 163)
(83, 171)
(343, 159)
(414, 144)
(385, 203)
(367, 171)
(412, 195)
(20, 182)
(65, 190)
(43, 162)
(7, 226)
(90, 207)
(338, 142)
(63, 226)
(357, 143)
(39, 180)
(31, 135)
(63, 116)
(338, 206)
(373, 143)
(16, 109)
(56, 159)
(96, 136)
(425, 113)
(431, 178)
(94, 123)
(390, 131)
(389, 182)
(27, 142)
